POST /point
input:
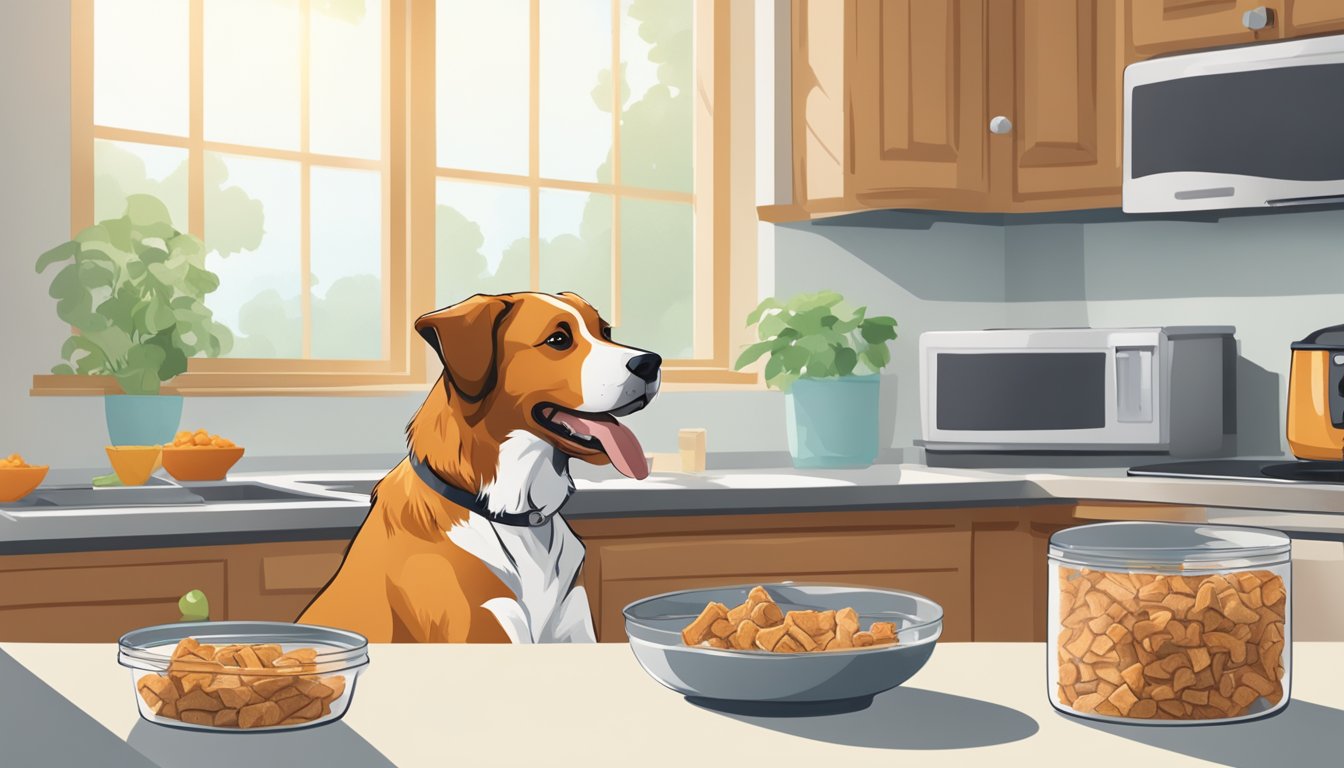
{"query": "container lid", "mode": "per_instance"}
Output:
(1326, 338)
(1169, 544)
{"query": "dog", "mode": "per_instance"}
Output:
(464, 541)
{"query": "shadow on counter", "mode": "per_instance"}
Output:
(334, 745)
(1303, 734)
(908, 718)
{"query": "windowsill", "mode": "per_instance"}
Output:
(189, 385)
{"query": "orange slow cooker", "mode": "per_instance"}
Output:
(1316, 396)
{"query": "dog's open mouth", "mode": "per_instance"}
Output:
(598, 432)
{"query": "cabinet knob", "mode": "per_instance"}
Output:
(1257, 18)
(1000, 125)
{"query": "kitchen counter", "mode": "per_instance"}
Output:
(1300, 507)
(591, 705)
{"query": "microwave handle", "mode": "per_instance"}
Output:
(1134, 385)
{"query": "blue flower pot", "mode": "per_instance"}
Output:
(142, 419)
(832, 423)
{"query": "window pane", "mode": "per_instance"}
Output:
(252, 223)
(657, 277)
(482, 84)
(576, 245)
(481, 242)
(140, 65)
(656, 121)
(252, 72)
(345, 79)
(576, 97)
(121, 168)
(346, 262)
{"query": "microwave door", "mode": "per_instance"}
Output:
(1019, 396)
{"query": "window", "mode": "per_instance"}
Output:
(351, 164)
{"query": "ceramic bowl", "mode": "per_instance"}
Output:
(17, 482)
(134, 463)
(197, 463)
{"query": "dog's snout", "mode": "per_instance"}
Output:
(645, 366)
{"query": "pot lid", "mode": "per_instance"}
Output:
(1331, 338)
(1143, 543)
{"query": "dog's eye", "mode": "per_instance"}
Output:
(559, 340)
(606, 332)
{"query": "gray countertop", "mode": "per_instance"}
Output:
(336, 514)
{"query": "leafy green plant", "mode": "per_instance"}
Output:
(133, 288)
(815, 336)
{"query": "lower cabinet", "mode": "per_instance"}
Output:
(98, 596)
(985, 566)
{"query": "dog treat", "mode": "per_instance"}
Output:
(240, 686)
(199, 439)
(1170, 647)
(759, 624)
(13, 461)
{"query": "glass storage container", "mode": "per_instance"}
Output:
(1169, 623)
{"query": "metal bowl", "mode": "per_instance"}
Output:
(757, 682)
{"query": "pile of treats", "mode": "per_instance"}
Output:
(199, 439)
(1170, 647)
(240, 686)
(759, 624)
(13, 461)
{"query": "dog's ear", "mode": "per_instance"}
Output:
(466, 338)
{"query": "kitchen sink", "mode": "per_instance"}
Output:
(249, 493)
(160, 493)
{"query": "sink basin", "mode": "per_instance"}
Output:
(248, 493)
(159, 493)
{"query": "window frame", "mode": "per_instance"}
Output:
(410, 173)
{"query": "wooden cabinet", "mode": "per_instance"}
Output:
(985, 566)
(98, 596)
(919, 112)
(1068, 73)
(1312, 17)
(893, 103)
(1168, 26)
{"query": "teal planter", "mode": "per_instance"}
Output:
(832, 423)
(142, 419)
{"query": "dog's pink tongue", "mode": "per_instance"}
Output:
(620, 444)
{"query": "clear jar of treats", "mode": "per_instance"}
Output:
(1169, 623)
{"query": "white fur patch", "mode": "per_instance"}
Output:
(526, 477)
(538, 565)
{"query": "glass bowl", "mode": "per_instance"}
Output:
(754, 681)
(281, 687)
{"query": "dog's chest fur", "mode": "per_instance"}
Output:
(537, 564)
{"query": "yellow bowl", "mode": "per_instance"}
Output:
(134, 463)
(207, 462)
(17, 482)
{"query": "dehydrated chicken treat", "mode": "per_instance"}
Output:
(199, 439)
(240, 686)
(1170, 647)
(759, 624)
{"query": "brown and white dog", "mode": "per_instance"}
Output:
(463, 542)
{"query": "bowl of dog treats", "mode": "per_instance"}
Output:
(784, 648)
(242, 675)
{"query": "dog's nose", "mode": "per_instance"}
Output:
(645, 366)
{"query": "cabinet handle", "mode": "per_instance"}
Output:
(1000, 125)
(1257, 18)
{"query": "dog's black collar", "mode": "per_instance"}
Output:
(467, 500)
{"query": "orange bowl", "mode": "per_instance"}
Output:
(200, 462)
(17, 482)
(134, 463)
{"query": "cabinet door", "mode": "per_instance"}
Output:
(917, 87)
(1165, 26)
(1313, 17)
(1067, 123)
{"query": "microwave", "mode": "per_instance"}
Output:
(1119, 390)
(1247, 127)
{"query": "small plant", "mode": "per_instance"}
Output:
(814, 336)
(133, 288)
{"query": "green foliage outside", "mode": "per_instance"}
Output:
(134, 289)
(816, 336)
(657, 271)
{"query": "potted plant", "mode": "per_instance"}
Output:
(133, 289)
(826, 358)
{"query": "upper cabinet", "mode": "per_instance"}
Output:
(975, 105)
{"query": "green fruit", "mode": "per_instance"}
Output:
(194, 606)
